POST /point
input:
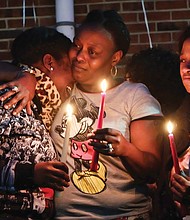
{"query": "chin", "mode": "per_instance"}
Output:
(77, 77)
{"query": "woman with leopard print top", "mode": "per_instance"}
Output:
(26, 149)
(43, 52)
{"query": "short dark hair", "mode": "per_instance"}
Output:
(32, 44)
(112, 22)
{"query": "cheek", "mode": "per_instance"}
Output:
(182, 66)
(180, 71)
(187, 88)
(72, 54)
(58, 66)
(94, 64)
(99, 64)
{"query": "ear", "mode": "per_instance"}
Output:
(117, 57)
(47, 61)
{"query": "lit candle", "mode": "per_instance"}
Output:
(173, 148)
(67, 134)
(95, 156)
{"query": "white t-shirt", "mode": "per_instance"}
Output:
(110, 192)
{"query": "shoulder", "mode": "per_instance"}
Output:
(140, 101)
(132, 86)
(131, 90)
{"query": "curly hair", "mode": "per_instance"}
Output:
(158, 69)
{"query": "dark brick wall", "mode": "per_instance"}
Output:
(166, 19)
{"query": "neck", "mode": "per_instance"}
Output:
(96, 88)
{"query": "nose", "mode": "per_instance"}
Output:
(80, 56)
(185, 67)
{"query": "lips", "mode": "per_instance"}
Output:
(186, 77)
(77, 68)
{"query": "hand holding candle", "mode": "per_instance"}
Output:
(173, 148)
(95, 156)
(183, 210)
(67, 134)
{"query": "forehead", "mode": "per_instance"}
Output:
(94, 35)
(186, 46)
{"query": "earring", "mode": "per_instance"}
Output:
(51, 68)
(114, 71)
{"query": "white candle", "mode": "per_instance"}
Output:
(67, 134)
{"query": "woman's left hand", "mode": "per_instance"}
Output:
(107, 141)
(142, 155)
(181, 188)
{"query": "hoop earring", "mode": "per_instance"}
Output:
(114, 71)
(51, 68)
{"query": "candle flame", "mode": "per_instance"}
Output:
(170, 127)
(69, 110)
(104, 85)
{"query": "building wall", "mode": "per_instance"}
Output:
(166, 19)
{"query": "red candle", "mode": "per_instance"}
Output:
(95, 156)
(173, 148)
(183, 209)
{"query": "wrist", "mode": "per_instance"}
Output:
(24, 175)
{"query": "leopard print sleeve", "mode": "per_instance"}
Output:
(48, 94)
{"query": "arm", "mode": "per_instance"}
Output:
(143, 154)
(180, 186)
(25, 82)
(52, 174)
(9, 72)
(26, 201)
